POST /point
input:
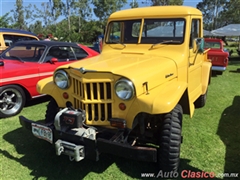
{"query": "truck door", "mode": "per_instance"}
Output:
(195, 62)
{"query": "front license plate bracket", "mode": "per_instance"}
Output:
(42, 132)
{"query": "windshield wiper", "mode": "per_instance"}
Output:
(166, 42)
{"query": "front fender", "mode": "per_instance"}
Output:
(159, 100)
(47, 86)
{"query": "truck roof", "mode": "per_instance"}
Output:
(156, 11)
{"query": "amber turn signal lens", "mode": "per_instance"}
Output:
(65, 95)
(118, 123)
(122, 106)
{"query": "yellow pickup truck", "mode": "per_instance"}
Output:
(129, 100)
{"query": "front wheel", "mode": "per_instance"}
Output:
(170, 140)
(12, 100)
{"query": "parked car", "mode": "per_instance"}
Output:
(9, 36)
(25, 63)
(218, 55)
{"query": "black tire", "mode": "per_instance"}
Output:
(170, 140)
(201, 101)
(52, 110)
(12, 100)
(219, 73)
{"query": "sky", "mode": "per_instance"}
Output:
(7, 5)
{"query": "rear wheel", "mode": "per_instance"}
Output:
(52, 110)
(219, 72)
(12, 100)
(201, 101)
(170, 140)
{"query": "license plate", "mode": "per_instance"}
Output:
(42, 132)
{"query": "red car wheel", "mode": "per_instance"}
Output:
(12, 100)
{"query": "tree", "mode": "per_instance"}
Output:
(103, 8)
(44, 14)
(164, 2)
(5, 21)
(22, 15)
(82, 10)
(211, 10)
(134, 4)
(37, 27)
(230, 13)
(56, 9)
(18, 15)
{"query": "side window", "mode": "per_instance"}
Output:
(195, 31)
(28, 53)
(53, 52)
(8, 42)
(10, 39)
(62, 53)
(79, 54)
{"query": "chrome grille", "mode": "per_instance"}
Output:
(95, 98)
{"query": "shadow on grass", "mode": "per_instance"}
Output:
(235, 71)
(39, 156)
(229, 133)
(234, 58)
(135, 169)
(38, 100)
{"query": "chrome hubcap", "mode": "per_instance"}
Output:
(10, 101)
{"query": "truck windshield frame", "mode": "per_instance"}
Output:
(146, 31)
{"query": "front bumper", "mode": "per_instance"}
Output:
(79, 147)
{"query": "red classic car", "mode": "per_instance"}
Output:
(25, 63)
(217, 54)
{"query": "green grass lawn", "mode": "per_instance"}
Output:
(211, 143)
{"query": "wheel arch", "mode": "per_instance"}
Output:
(26, 92)
(181, 97)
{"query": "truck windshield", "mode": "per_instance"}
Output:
(153, 31)
(212, 45)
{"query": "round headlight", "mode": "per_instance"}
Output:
(124, 89)
(61, 79)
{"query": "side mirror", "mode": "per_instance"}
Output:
(198, 45)
(53, 60)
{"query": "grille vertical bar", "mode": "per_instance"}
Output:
(95, 98)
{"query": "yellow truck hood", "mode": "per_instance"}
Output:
(136, 67)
